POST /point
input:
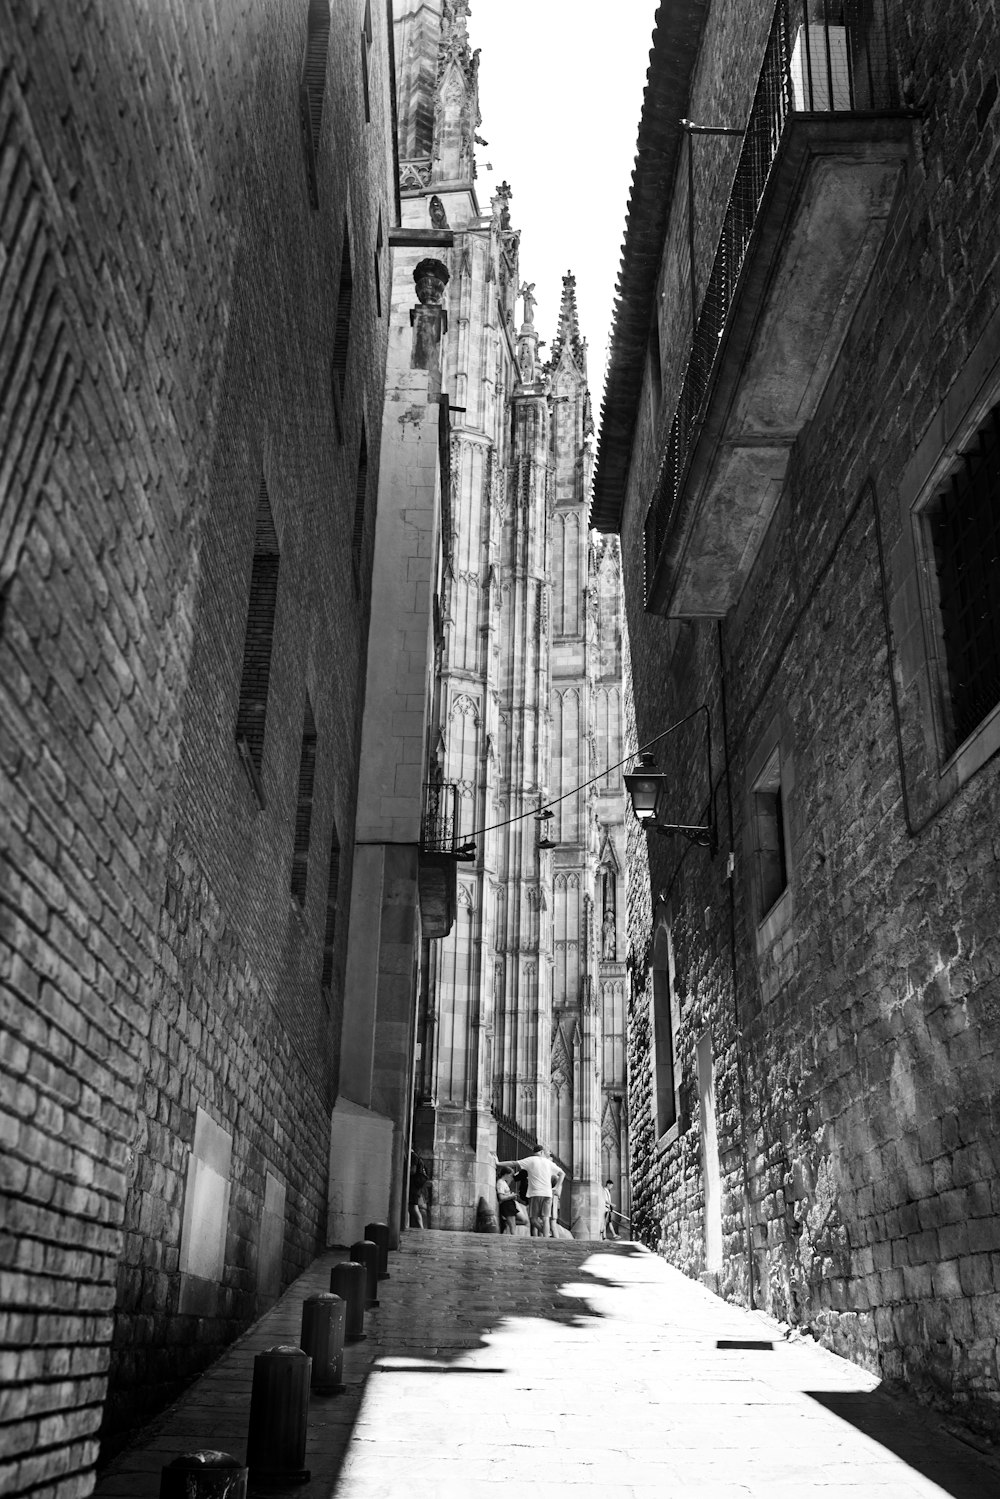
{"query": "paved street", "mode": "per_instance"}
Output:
(590, 1368)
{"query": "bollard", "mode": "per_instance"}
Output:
(279, 1409)
(323, 1319)
(203, 1475)
(378, 1233)
(349, 1281)
(364, 1252)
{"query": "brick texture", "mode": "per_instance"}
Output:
(867, 1032)
(167, 311)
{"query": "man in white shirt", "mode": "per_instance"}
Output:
(542, 1175)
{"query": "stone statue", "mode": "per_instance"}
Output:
(530, 300)
(608, 947)
(439, 218)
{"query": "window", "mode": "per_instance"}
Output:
(330, 926)
(768, 842)
(366, 42)
(360, 505)
(378, 266)
(312, 88)
(769, 837)
(256, 672)
(342, 332)
(963, 522)
(942, 580)
(665, 1024)
(304, 807)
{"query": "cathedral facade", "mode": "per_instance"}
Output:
(520, 1021)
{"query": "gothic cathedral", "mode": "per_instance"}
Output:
(521, 1011)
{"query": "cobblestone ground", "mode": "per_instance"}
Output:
(590, 1368)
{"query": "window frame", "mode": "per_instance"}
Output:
(664, 1007)
(957, 760)
(770, 770)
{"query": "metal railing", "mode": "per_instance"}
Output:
(439, 825)
(822, 56)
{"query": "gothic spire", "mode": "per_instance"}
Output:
(568, 334)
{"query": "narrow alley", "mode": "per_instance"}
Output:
(593, 1369)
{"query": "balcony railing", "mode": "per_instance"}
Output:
(439, 826)
(822, 56)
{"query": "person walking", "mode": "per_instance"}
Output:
(542, 1176)
(609, 1228)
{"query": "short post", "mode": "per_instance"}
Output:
(364, 1252)
(279, 1413)
(203, 1475)
(349, 1281)
(323, 1321)
(378, 1233)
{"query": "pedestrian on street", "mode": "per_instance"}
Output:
(506, 1201)
(542, 1175)
(609, 1228)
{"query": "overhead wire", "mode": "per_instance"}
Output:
(632, 754)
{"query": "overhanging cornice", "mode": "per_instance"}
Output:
(675, 43)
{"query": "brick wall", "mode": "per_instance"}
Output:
(868, 1033)
(167, 305)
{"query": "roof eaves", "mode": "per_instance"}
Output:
(675, 43)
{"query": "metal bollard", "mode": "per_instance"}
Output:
(350, 1281)
(203, 1475)
(364, 1252)
(279, 1411)
(378, 1233)
(323, 1319)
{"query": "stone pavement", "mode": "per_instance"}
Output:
(591, 1369)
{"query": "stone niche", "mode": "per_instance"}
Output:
(206, 1216)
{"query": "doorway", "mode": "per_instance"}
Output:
(710, 1155)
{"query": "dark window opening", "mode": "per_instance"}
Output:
(664, 1079)
(330, 927)
(313, 87)
(965, 528)
(342, 332)
(772, 867)
(365, 85)
(304, 807)
(360, 505)
(378, 267)
(256, 673)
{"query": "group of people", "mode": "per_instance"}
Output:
(544, 1181)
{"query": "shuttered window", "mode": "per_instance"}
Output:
(256, 672)
(304, 807)
(342, 333)
(312, 88)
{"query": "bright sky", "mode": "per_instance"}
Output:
(560, 92)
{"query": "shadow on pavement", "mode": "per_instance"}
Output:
(914, 1434)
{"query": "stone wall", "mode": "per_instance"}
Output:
(867, 1027)
(168, 299)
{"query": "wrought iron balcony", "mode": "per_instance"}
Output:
(822, 153)
(439, 825)
(440, 854)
